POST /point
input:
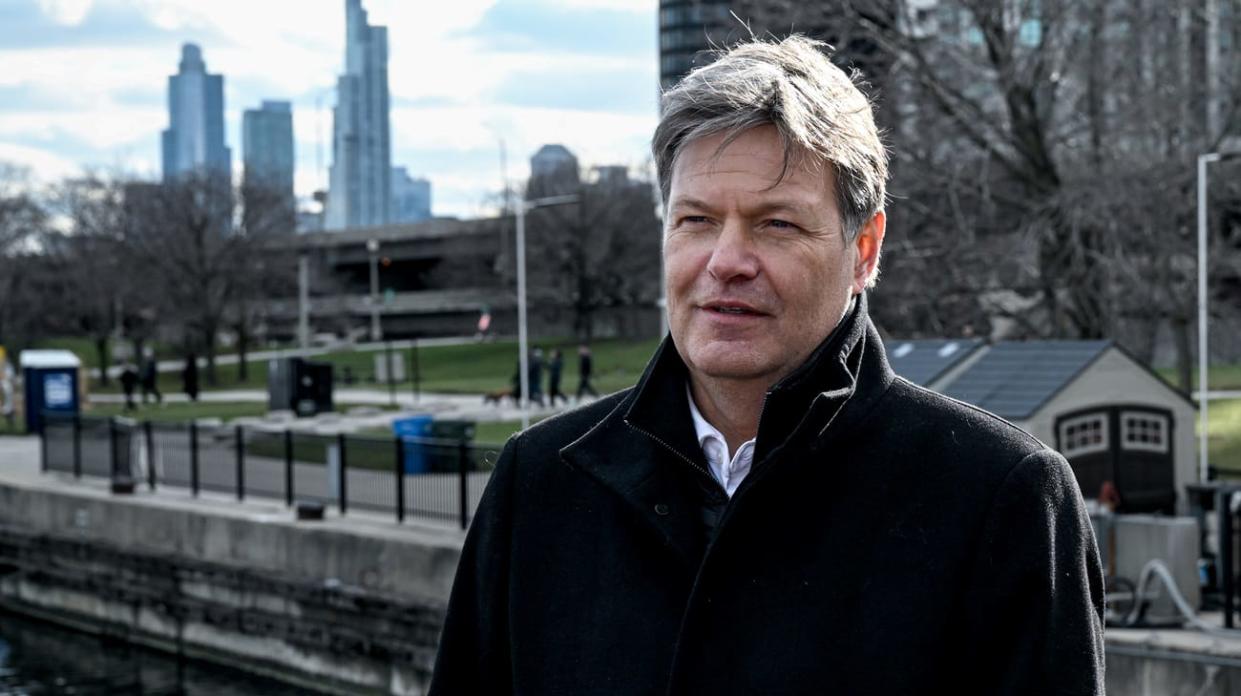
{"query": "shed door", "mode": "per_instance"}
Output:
(1144, 459)
(1129, 445)
(1085, 439)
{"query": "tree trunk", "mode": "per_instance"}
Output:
(243, 339)
(209, 348)
(101, 351)
(1184, 353)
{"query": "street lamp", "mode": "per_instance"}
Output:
(1230, 147)
(372, 248)
(523, 360)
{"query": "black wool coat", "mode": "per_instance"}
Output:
(888, 540)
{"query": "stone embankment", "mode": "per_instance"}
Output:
(342, 605)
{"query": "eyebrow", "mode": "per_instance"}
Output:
(779, 205)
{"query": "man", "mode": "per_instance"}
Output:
(585, 366)
(150, 377)
(770, 510)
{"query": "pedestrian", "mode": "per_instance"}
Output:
(536, 377)
(150, 377)
(189, 377)
(555, 366)
(585, 364)
(770, 510)
(129, 380)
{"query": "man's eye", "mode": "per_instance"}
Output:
(694, 220)
(781, 225)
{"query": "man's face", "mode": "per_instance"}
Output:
(758, 273)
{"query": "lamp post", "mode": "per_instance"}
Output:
(1230, 147)
(523, 360)
(372, 248)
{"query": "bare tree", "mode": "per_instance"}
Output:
(601, 252)
(23, 219)
(185, 239)
(1044, 156)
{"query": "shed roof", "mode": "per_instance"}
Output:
(48, 358)
(924, 360)
(1015, 378)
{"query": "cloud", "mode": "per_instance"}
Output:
(66, 12)
(85, 82)
(631, 89)
(579, 28)
(44, 165)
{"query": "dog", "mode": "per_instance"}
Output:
(498, 396)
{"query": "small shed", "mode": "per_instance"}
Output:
(50, 379)
(1106, 412)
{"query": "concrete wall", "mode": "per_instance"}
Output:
(346, 605)
(1115, 379)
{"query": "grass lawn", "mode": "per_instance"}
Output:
(183, 412)
(469, 368)
(1219, 376)
(1224, 441)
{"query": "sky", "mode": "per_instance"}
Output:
(83, 83)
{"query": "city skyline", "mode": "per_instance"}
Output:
(194, 140)
(86, 86)
(360, 179)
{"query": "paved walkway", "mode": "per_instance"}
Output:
(176, 365)
(446, 406)
(19, 456)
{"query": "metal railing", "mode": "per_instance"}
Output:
(438, 479)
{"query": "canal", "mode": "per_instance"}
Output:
(42, 658)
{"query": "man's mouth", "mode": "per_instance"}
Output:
(733, 309)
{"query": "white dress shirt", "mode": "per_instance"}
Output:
(728, 470)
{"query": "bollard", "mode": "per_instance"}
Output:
(400, 480)
(118, 481)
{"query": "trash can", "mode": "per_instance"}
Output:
(444, 459)
(410, 430)
(50, 383)
(299, 385)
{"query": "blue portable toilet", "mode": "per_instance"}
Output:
(50, 379)
(410, 430)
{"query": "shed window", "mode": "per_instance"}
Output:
(1144, 431)
(1083, 435)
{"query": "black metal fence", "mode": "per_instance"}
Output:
(438, 479)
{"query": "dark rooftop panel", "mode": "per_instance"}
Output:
(1015, 378)
(921, 361)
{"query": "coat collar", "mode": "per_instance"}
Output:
(651, 428)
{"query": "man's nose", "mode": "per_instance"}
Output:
(734, 256)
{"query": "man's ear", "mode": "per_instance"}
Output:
(868, 244)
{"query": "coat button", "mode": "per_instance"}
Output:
(661, 509)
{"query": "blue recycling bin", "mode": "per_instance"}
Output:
(409, 429)
(50, 383)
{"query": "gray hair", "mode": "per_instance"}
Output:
(818, 110)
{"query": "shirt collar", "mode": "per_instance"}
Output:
(704, 430)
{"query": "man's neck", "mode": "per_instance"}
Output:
(732, 407)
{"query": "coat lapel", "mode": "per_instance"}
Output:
(645, 452)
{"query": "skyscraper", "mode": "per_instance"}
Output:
(553, 171)
(360, 186)
(411, 197)
(267, 148)
(194, 140)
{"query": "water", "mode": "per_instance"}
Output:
(38, 658)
